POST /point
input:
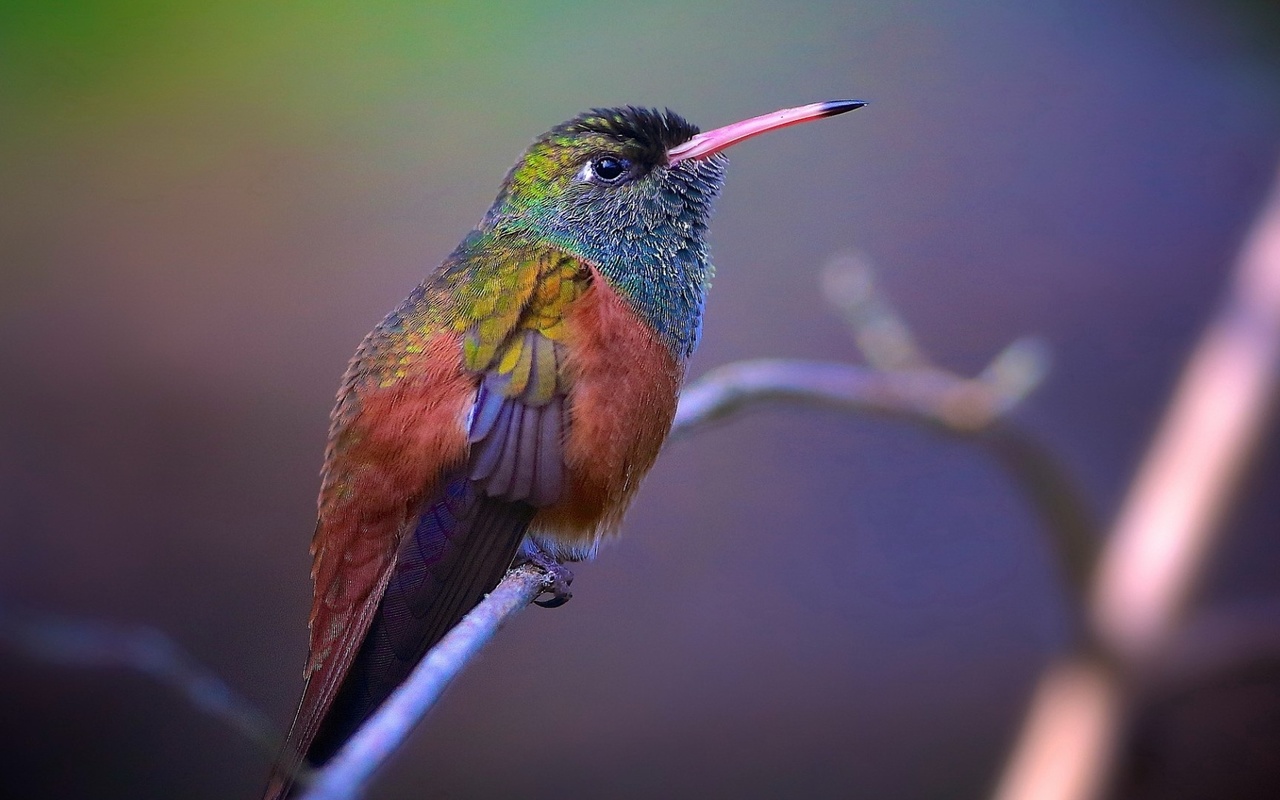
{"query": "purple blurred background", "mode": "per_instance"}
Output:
(202, 210)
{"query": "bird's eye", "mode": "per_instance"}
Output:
(609, 169)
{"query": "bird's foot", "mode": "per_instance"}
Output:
(558, 575)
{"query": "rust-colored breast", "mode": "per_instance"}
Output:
(624, 386)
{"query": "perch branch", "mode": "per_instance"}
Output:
(349, 771)
(1164, 533)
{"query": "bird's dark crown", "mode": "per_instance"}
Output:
(652, 131)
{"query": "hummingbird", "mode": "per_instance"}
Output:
(510, 406)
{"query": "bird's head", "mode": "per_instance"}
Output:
(617, 173)
(604, 176)
(630, 190)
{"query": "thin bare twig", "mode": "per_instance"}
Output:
(974, 408)
(850, 285)
(349, 771)
(98, 643)
(1164, 534)
(924, 395)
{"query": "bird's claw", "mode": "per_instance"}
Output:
(559, 577)
(559, 597)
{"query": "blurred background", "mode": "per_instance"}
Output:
(203, 207)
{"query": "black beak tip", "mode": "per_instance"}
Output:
(833, 107)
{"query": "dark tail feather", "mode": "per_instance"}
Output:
(464, 543)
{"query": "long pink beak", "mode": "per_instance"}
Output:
(705, 144)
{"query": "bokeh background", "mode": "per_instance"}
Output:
(204, 206)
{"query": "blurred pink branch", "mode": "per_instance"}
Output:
(1163, 536)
